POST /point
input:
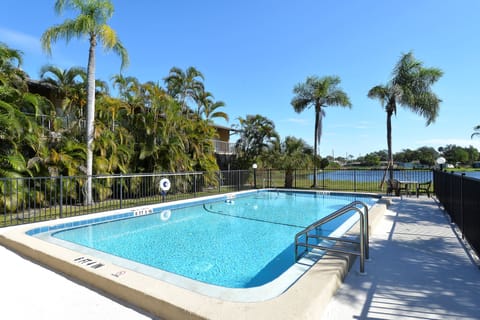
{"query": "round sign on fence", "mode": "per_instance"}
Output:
(165, 184)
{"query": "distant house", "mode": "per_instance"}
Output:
(44, 89)
(224, 149)
(222, 142)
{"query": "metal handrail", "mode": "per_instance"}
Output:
(364, 239)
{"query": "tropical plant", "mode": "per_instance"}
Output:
(477, 131)
(319, 93)
(294, 154)
(8, 56)
(20, 136)
(127, 86)
(185, 85)
(91, 22)
(410, 87)
(66, 83)
(207, 107)
(114, 143)
(69, 95)
(202, 150)
(257, 135)
(10, 72)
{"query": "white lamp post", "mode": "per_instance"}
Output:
(254, 166)
(441, 161)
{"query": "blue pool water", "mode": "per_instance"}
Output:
(243, 242)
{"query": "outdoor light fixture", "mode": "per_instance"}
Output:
(441, 161)
(254, 166)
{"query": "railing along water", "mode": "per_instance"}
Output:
(355, 180)
(363, 241)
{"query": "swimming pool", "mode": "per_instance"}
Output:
(240, 242)
(236, 247)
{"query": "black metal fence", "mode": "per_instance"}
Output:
(460, 197)
(26, 200)
(368, 180)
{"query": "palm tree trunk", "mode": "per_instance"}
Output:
(315, 146)
(289, 178)
(389, 144)
(90, 117)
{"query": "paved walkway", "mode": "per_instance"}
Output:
(419, 269)
(28, 291)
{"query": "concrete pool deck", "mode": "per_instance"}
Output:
(418, 269)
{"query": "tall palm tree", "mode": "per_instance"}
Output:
(319, 93)
(91, 22)
(410, 87)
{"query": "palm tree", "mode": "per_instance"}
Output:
(477, 131)
(208, 107)
(20, 136)
(319, 93)
(91, 22)
(126, 86)
(8, 56)
(10, 61)
(294, 154)
(17, 133)
(410, 87)
(257, 135)
(69, 89)
(185, 85)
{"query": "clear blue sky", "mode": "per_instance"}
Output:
(253, 52)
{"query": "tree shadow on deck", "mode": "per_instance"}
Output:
(419, 269)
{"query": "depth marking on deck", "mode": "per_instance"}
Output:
(88, 262)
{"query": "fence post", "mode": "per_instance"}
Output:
(219, 181)
(121, 191)
(270, 177)
(461, 205)
(450, 191)
(354, 180)
(323, 178)
(295, 177)
(194, 185)
(61, 196)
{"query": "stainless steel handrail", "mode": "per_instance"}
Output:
(364, 238)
